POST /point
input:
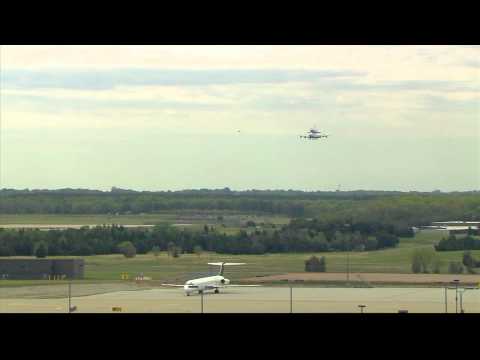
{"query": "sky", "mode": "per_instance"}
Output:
(188, 117)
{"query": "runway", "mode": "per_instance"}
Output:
(256, 300)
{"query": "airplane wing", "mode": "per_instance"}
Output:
(220, 263)
(242, 285)
(210, 287)
(172, 285)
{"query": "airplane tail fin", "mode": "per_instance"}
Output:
(222, 266)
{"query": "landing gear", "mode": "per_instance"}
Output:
(200, 292)
(217, 291)
(188, 294)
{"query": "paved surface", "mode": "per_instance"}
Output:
(467, 279)
(256, 300)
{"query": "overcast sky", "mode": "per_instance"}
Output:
(180, 117)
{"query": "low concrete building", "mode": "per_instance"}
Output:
(454, 229)
(456, 223)
(41, 269)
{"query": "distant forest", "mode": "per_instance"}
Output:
(387, 207)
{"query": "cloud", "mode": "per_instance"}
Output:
(475, 63)
(452, 106)
(82, 104)
(108, 79)
(406, 85)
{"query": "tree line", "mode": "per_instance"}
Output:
(298, 236)
(452, 243)
(402, 209)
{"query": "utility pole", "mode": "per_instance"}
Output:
(291, 301)
(456, 295)
(69, 296)
(461, 301)
(446, 304)
(348, 264)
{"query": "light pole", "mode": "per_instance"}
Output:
(446, 306)
(348, 264)
(461, 297)
(291, 299)
(456, 295)
(69, 296)
(461, 300)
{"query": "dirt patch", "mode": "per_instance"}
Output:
(438, 279)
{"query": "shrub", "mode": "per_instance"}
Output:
(197, 249)
(462, 243)
(406, 232)
(455, 267)
(470, 270)
(127, 249)
(173, 250)
(416, 265)
(469, 261)
(315, 264)
(6, 251)
(386, 240)
(156, 251)
(42, 250)
(422, 260)
(176, 251)
(436, 266)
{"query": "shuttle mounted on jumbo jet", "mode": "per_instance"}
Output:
(214, 283)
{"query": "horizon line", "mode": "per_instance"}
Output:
(114, 189)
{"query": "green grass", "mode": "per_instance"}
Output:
(187, 266)
(144, 219)
(86, 219)
(396, 260)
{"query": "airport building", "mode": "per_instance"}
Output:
(41, 269)
(456, 227)
(456, 223)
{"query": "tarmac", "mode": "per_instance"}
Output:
(255, 300)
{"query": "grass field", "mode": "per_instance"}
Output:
(163, 268)
(143, 219)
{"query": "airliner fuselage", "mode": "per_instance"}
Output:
(207, 283)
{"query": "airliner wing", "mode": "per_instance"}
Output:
(210, 287)
(242, 285)
(173, 285)
(226, 263)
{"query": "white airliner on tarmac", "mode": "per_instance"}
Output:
(216, 282)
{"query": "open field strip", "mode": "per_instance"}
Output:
(141, 219)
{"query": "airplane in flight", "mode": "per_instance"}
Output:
(314, 134)
(214, 283)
